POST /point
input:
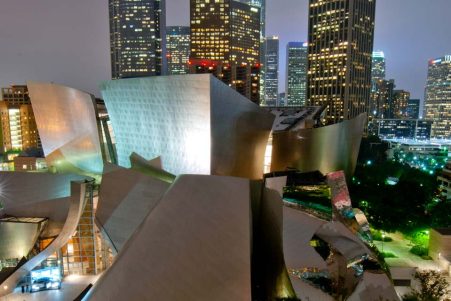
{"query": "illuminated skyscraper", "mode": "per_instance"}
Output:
(438, 97)
(413, 109)
(271, 70)
(296, 84)
(137, 37)
(225, 41)
(262, 5)
(383, 105)
(18, 125)
(339, 57)
(377, 68)
(177, 49)
(377, 78)
(400, 103)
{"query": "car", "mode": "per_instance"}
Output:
(45, 283)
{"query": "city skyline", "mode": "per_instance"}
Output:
(405, 39)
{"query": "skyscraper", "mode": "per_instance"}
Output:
(296, 69)
(383, 105)
(377, 68)
(438, 97)
(400, 103)
(177, 49)
(271, 70)
(413, 109)
(340, 43)
(18, 125)
(377, 79)
(225, 41)
(262, 5)
(137, 37)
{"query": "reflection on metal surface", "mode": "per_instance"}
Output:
(196, 123)
(77, 201)
(126, 198)
(202, 254)
(327, 149)
(45, 195)
(67, 125)
(17, 238)
(142, 165)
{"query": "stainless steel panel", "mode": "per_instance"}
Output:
(196, 123)
(67, 125)
(327, 149)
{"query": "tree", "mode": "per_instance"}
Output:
(433, 286)
(372, 149)
(385, 205)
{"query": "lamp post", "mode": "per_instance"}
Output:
(383, 238)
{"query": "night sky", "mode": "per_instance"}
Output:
(67, 41)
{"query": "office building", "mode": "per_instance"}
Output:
(137, 38)
(282, 100)
(413, 109)
(377, 68)
(400, 103)
(225, 41)
(296, 70)
(177, 49)
(444, 180)
(340, 42)
(404, 129)
(18, 125)
(271, 71)
(262, 5)
(382, 99)
(438, 97)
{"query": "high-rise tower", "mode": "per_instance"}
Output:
(296, 84)
(137, 38)
(377, 68)
(225, 41)
(438, 97)
(262, 5)
(339, 58)
(271, 71)
(177, 49)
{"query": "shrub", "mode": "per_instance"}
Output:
(419, 250)
(377, 236)
(389, 255)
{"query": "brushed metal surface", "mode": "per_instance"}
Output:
(126, 197)
(196, 123)
(327, 149)
(194, 245)
(17, 239)
(67, 125)
(77, 201)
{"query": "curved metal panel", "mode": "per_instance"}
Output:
(142, 165)
(77, 201)
(196, 123)
(67, 125)
(202, 254)
(239, 133)
(327, 149)
(17, 239)
(126, 197)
